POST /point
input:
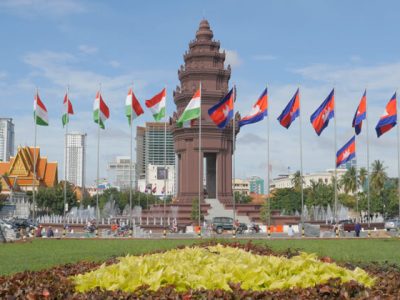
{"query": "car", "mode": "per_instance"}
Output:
(219, 224)
(392, 224)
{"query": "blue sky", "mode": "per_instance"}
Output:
(316, 45)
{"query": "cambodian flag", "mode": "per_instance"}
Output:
(320, 118)
(360, 114)
(389, 118)
(222, 112)
(291, 111)
(258, 112)
(347, 152)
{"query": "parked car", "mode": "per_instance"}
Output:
(347, 225)
(392, 224)
(219, 224)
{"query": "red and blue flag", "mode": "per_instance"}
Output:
(258, 112)
(389, 118)
(361, 114)
(222, 112)
(291, 111)
(347, 152)
(326, 111)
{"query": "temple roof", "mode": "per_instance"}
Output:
(204, 32)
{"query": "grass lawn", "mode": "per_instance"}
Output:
(41, 254)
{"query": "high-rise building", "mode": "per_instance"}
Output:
(150, 147)
(6, 139)
(119, 174)
(256, 185)
(75, 158)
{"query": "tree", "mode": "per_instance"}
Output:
(242, 197)
(195, 211)
(363, 177)
(297, 181)
(349, 180)
(51, 200)
(286, 199)
(265, 211)
(378, 177)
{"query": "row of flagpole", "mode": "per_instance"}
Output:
(319, 119)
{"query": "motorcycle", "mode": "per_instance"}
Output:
(254, 228)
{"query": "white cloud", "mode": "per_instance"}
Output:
(232, 58)
(264, 57)
(87, 49)
(29, 8)
(114, 63)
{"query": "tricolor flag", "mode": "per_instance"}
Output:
(258, 112)
(361, 114)
(100, 111)
(222, 112)
(68, 110)
(389, 118)
(291, 111)
(157, 105)
(192, 110)
(347, 152)
(40, 114)
(133, 109)
(326, 111)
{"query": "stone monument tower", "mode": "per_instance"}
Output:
(204, 62)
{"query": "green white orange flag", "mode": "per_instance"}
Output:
(157, 105)
(100, 111)
(192, 110)
(40, 114)
(68, 110)
(133, 109)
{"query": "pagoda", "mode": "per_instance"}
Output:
(203, 63)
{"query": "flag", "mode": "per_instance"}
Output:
(222, 112)
(291, 111)
(347, 152)
(133, 109)
(320, 118)
(258, 112)
(192, 110)
(40, 114)
(68, 110)
(157, 105)
(389, 118)
(100, 111)
(361, 114)
(154, 189)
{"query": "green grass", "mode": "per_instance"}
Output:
(40, 254)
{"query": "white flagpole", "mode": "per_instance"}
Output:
(268, 177)
(65, 154)
(165, 158)
(233, 155)
(200, 162)
(34, 161)
(130, 163)
(98, 165)
(398, 151)
(334, 153)
(368, 182)
(301, 163)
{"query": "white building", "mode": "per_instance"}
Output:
(285, 181)
(75, 158)
(119, 174)
(241, 185)
(6, 139)
(155, 180)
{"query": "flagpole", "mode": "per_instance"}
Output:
(334, 152)
(34, 161)
(98, 166)
(165, 158)
(130, 164)
(65, 154)
(200, 164)
(301, 163)
(398, 151)
(268, 178)
(233, 155)
(368, 182)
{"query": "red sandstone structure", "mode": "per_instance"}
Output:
(203, 63)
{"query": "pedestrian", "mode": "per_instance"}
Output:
(39, 232)
(357, 229)
(50, 232)
(290, 231)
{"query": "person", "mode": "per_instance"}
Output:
(39, 232)
(290, 231)
(357, 229)
(50, 232)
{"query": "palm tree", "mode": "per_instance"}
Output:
(297, 180)
(349, 180)
(363, 177)
(378, 177)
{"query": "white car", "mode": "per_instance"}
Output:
(392, 224)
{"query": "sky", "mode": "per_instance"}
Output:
(314, 45)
